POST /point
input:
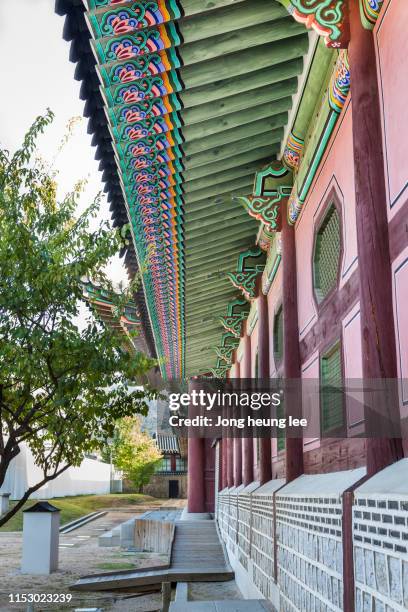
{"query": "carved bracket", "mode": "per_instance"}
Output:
(329, 18)
(250, 264)
(237, 312)
(221, 370)
(233, 323)
(229, 343)
(271, 178)
(267, 209)
(246, 281)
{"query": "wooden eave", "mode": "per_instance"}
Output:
(230, 70)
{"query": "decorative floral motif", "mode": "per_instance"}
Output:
(370, 9)
(143, 89)
(143, 110)
(340, 83)
(294, 206)
(138, 16)
(293, 151)
(142, 129)
(264, 238)
(141, 67)
(134, 43)
(143, 42)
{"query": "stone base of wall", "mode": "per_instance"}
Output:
(285, 542)
(159, 486)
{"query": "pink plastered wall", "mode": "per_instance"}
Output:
(311, 409)
(274, 302)
(400, 301)
(353, 369)
(335, 175)
(391, 41)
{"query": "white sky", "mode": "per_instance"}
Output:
(36, 73)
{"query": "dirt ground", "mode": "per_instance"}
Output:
(79, 554)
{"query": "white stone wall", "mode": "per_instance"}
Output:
(224, 522)
(262, 536)
(380, 537)
(91, 477)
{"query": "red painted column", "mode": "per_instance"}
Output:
(220, 465)
(230, 462)
(377, 317)
(291, 351)
(247, 443)
(195, 483)
(196, 469)
(237, 443)
(265, 455)
(224, 464)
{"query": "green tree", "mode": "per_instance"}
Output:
(134, 452)
(63, 385)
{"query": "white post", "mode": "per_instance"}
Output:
(4, 503)
(40, 539)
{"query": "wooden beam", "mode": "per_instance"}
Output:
(235, 85)
(221, 125)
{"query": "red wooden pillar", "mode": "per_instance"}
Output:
(224, 464)
(237, 442)
(195, 483)
(377, 317)
(230, 462)
(220, 465)
(196, 469)
(291, 351)
(247, 443)
(265, 456)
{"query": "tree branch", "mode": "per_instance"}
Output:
(47, 478)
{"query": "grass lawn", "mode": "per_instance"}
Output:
(75, 507)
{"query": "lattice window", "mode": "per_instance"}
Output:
(326, 256)
(164, 465)
(278, 336)
(332, 411)
(280, 433)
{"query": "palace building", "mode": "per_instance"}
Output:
(255, 156)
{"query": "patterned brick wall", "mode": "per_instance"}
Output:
(306, 517)
(310, 553)
(380, 533)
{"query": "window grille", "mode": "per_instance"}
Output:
(332, 415)
(164, 465)
(280, 434)
(278, 335)
(327, 254)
